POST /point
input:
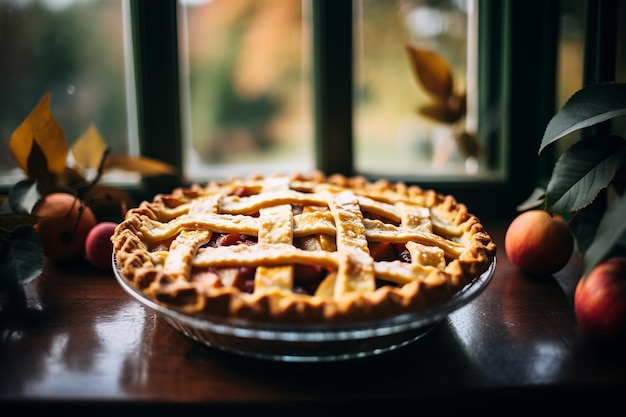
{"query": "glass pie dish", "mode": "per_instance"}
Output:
(311, 342)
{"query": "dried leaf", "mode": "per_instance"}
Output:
(440, 113)
(432, 72)
(89, 149)
(142, 165)
(41, 127)
(70, 181)
(468, 144)
(37, 167)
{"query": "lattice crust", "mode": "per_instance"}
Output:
(301, 248)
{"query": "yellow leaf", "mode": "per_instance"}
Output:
(89, 149)
(40, 126)
(431, 71)
(142, 165)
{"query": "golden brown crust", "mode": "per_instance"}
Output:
(161, 242)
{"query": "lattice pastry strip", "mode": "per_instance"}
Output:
(276, 227)
(356, 266)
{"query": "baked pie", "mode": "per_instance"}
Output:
(305, 248)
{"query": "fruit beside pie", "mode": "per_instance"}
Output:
(305, 248)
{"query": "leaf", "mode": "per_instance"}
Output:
(36, 164)
(610, 231)
(38, 171)
(431, 71)
(89, 149)
(589, 106)
(536, 199)
(24, 258)
(41, 127)
(582, 171)
(69, 181)
(23, 196)
(142, 165)
(584, 223)
(468, 144)
(441, 112)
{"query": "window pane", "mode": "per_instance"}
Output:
(245, 87)
(570, 59)
(415, 62)
(74, 50)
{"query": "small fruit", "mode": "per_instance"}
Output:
(98, 246)
(600, 301)
(538, 242)
(63, 225)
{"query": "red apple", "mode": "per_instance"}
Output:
(600, 301)
(63, 225)
(538, 242)
(98, 246)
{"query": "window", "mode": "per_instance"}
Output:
(224, 87)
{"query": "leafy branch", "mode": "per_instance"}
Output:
(449, 103)
(40, 148)
(589, 166)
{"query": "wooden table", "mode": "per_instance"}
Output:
(83, 341)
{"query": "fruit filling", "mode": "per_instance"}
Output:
(307, 278)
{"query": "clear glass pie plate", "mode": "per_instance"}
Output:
(314, 342)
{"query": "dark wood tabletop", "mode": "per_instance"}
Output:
(80, 340)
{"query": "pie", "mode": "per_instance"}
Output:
(301, 248)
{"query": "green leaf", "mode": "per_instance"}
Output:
(535, 199)
(24, 258)
(610, 231)
(589, 106)
(582, 171)
(23, 196)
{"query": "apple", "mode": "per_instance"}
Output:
(538, 242)
(98, 246)
(600, 301)
(63, 225)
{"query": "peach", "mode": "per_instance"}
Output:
(600, 301)
(538, 242)
(63, 225)
(98, 246)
